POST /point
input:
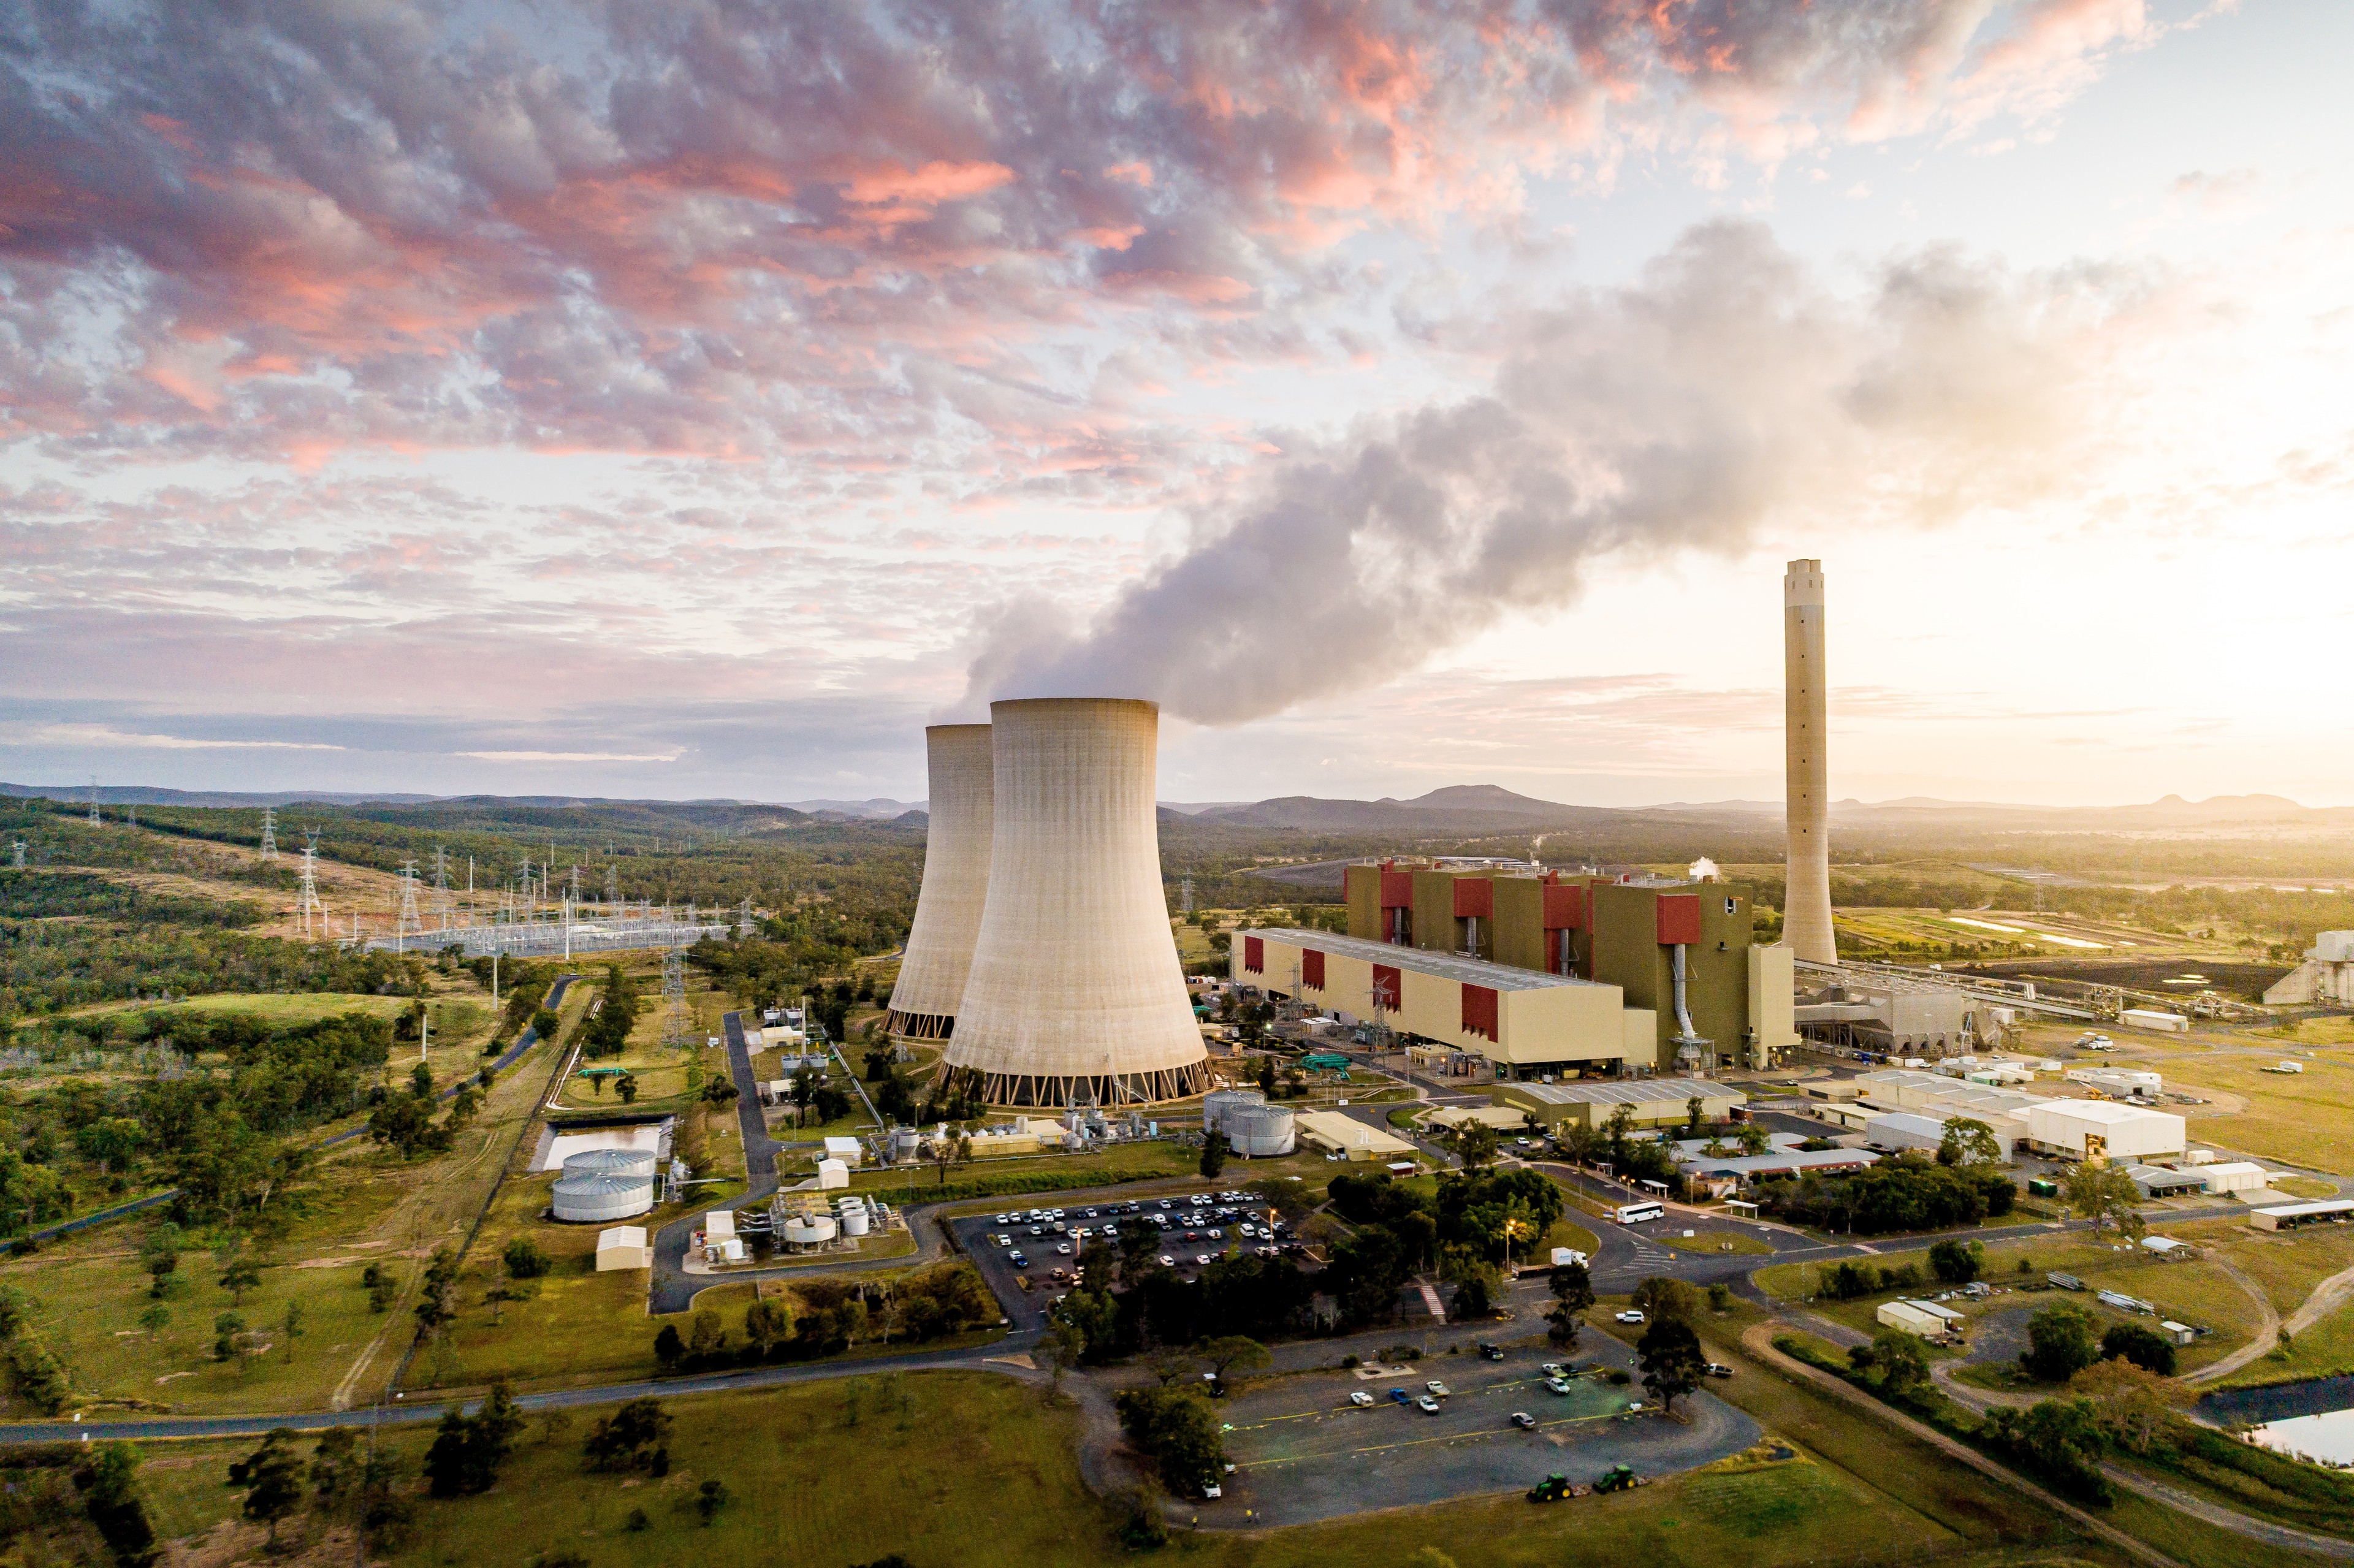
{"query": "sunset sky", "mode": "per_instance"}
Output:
(695, 397)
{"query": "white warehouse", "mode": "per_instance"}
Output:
(2096, 1129)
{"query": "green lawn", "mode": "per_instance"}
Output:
(2287, 1264)
(1718, 1241)
(2299, 1117)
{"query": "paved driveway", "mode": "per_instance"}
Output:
(1302, 1452)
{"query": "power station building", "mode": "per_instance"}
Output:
(1072, 990)
(1542, 974)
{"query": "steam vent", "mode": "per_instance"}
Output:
(1076, 992)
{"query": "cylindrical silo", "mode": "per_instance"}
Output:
(1219, 1105)
(611, 1162)
(853, 1220)
(1261, 1131)
(955, 883)
(598, 1198)
(1075, 987)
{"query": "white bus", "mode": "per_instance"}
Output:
(1636, 1213)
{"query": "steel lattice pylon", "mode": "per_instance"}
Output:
(268, 833)
(677, 1021)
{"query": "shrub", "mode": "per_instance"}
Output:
(2146, 1348)
(526, 1260)
(2060, 1342)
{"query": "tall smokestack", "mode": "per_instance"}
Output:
(956, 883)
(1807, 882)
(1077, 990)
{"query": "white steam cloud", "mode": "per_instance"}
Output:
(1725, 391)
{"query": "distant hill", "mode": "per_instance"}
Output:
(1457, 808)
(879, 808)
(149, 795)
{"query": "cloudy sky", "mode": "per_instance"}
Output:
(685, 398)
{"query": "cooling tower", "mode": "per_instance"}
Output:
(1075, 990)
(956, 882)
(1807, 882)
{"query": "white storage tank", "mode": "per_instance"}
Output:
(1261, 1131)
(597, 1198)
(810, 1230)
(611, 1162)
(853, 1220)
(1220, 1104)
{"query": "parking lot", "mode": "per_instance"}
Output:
(1302, 1452)
(1027, 1309)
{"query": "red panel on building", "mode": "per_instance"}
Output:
(1254, 955)
(1565, 909)
(1311, 969)
(1397, 890)
(1389, 988)
(1480, 1011)
(1679, 918)
(1475, 898)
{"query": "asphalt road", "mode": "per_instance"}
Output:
(1302, 1452)
(672, 1288)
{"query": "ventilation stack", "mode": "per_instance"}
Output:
(956, 883)
(1077, 994)
(1806, 881)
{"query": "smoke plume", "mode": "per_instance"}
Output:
(1724, 392)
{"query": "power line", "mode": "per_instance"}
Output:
(269, 834)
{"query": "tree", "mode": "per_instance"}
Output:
(229, 1328)
(629, 1438)
(159, 1254)
(1176, 1429)
(1969, 1142)
(1693, 1110)
(1477, 1143)
(768, 1322)
(420, 1082)
(273, 1479)
(1670, 1355)
(525, 1259)
(2145, 1348)
(334, 1467)
(111, 1499)
(434, 1309)
(626, 1085)
(2060, 1342)
(1168, 1363)
(290, 1323)
(2131, 1403)
(1234, 1352)
(240, 1277)
(2104, 1194)
(1664, 1300)
(1475, 1280)
(155, 1319)
(1572, 1285)
(1903, 1365)
(1213, 1154)
(710, 1499)
(467, 1451)
(2063, 1439)
(1956, 1262)
(669, 1348)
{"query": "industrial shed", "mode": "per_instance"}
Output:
(2157, 1181)
(2234, 1176)
(1923, 1319)
(1346, 1136)
(2105, 1130)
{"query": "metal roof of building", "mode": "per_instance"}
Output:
(2325, 1206)
(1631, 1092)
(1446, 966)
(1794, 1161)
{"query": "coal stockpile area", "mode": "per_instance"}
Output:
(2246, 982)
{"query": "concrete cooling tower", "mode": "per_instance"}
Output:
(955, 883)
(1075, 990)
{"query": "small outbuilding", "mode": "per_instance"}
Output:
(2157, 1181)
(845, 1149)
(623, 1246)
(1922, 1319)
(830, 1174)
(2234, 1176)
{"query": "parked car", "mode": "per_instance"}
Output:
(1493, 1352)
(1717, 1369)
(1017, 1259)
(1553, 1369)
(1632, 1315)
(1360, 1399)
(1202, 1258)
(1438, 1388)
(1426, 1404)
(1525, 1421)
(1165, 1261)
(1556, 1385)
(1402, 1397)
(1064, 1248)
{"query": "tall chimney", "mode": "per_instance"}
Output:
(1807, 883)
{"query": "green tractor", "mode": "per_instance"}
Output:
(1617, 1478)
(1553, 1489)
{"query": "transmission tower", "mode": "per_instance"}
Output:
(612, 889)
(18, 848)
(410, 920)
(676, 1021)
(441, 886)
(744, 918)
(269, 834)
(93, 799)
(307, 900)
(1185, 894)
(130, 815)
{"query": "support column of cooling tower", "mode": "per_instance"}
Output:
(955, 883)
(1806, 885)
(1075, 987)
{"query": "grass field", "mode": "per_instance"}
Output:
(2301, 1118)
(363, 1205)
(1718, 1241)
(2288, 1265)
(2198, 1293)
(666, 1074)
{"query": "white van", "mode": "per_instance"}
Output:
(1636, 1213)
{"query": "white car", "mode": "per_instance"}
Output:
(1438, 1388)
(1553, 1369)
(1217, 1235)
(1166, 1261)
(1632, 1315)
(1362, 1400)
(1202, 1258)
(1002, 1240)
(1064, 1248)
(1556, 1385)
(1426, 1404)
